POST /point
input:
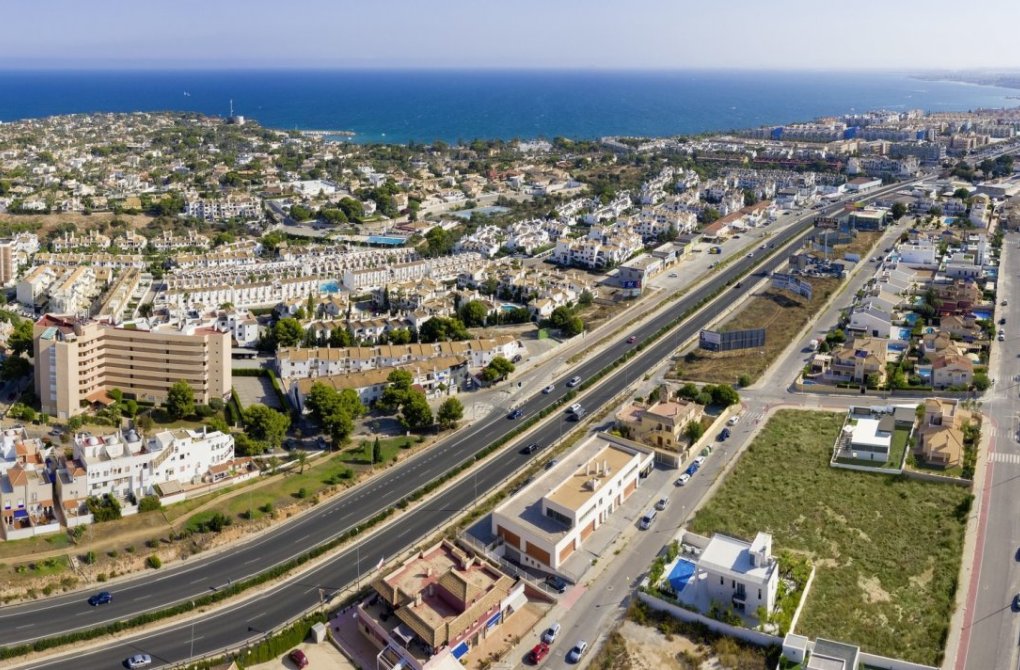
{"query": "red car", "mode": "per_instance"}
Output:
(540, 651)
(298, 658)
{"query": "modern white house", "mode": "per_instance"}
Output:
(870, 439)
(726, 572)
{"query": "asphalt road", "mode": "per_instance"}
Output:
(994, 626)
(234, 625)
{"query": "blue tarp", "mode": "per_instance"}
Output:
(460, 650)
(20, 514)
(680, 575)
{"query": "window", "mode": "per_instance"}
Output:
(721, 580)
(759, 594)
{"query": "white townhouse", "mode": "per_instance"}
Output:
(125, 464)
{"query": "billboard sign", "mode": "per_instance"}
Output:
(711, 340)
(792, 283)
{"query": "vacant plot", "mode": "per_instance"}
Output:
(887, 550)
(780, 313)
(256, 391)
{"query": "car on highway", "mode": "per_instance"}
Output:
(574, 381)
(575, 654)
(550, 633)
(516, 414)
(577, 414)
(138, 661)
(750, 255)
(549, 389)
(101, 598)
(632, 339)
(738, 284)
(537, 653)
(682, 479)
(576, 407)
(298, 658)
(661, 504)
(531, 448)
(556, 583)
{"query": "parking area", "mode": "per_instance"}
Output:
(256, 391)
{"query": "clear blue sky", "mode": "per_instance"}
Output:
(667, 34)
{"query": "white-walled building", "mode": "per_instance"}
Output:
(550, 519)
(125, 463)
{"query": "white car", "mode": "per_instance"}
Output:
(550, 633)
(733, 420)
(574, 381)
(673, 275)
(699, 461)
(683, 479)
(661, 505)
(549, 389)
(575, 408)
(577, 652)
(139, 661)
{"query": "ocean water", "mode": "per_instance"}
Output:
(422, 106)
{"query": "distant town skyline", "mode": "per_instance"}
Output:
(565, 34)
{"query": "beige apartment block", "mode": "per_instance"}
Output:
(78, 361)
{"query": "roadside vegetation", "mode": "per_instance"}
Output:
(886, 549)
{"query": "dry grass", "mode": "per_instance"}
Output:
(42, 224)
(780, 313)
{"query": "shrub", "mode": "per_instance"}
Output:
(149, 504)
(154, 562)
(89, 558)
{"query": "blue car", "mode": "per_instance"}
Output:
(101, 598)
(691, 469)
(724, 434)
(516, 414)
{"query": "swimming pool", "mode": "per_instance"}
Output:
(897, 346)
(331, 286)
(508, 308)
(981, 314)
(681, 574)
(911, 317)
(904, 334)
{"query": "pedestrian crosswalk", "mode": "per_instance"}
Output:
(1004, 457)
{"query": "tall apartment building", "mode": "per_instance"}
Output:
(8, 264)
(77, 361)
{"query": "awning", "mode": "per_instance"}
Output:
(460, 650)
(493, 620)
(20, 514)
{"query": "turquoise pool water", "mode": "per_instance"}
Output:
(981, 314)
(911, 317)
(329, 287)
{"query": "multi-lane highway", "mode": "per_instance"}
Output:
(235, 624)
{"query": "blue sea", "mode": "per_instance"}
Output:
(422, 106)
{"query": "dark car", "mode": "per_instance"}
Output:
(516, 414)
(551, 464)
(1002, 321)
(632, 339)
(739, 284)
(531, 448)
(298, 658)
(101, 598)
(557, 584)
(1016, 603)
(724, 435)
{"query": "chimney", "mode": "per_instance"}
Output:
(417, 600)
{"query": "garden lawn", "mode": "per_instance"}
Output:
(318, 474)
(886, 549)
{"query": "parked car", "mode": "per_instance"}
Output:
(538, 652)
(574, 381)
(699, 461)
(557, 584)
(531, 448)
(724, 435)
(682, 479)
(550, 633)
(1002, 337)
(673, 275)
(516, 414)
(138, 661)
(661, 504)
(1002, 321)
(647, 519)
(549, 389)
(577, 652)
(1016, 603)
(1004, 303)
(692, 469)
(733, 420)
(298, 658)
(551, 464)
(101, 598)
